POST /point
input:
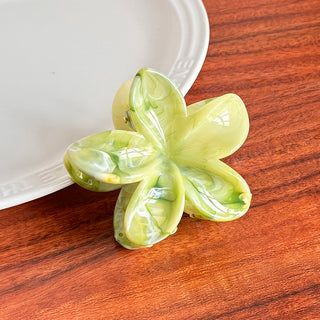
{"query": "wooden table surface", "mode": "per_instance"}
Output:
(58, 258)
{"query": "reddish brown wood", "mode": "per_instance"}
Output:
(58, 258)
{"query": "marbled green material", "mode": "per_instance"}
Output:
(170, 164)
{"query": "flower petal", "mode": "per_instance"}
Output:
(155, 102)
(155, 208)
(111, 157)
(119, 213)
(86, 181)
(215, 128)
(214, 191)
(120, 107)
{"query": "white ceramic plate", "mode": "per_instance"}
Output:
(61, 62)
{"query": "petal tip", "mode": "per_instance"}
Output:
(245, 198)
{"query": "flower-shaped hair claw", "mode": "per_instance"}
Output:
(169, 164)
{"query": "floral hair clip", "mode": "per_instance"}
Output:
(165, 158)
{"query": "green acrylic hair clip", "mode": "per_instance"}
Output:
(165, 158)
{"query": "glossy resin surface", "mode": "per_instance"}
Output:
(166, 157)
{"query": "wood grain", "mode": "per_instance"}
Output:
(58, 258)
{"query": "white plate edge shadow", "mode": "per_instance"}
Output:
(188, 63)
